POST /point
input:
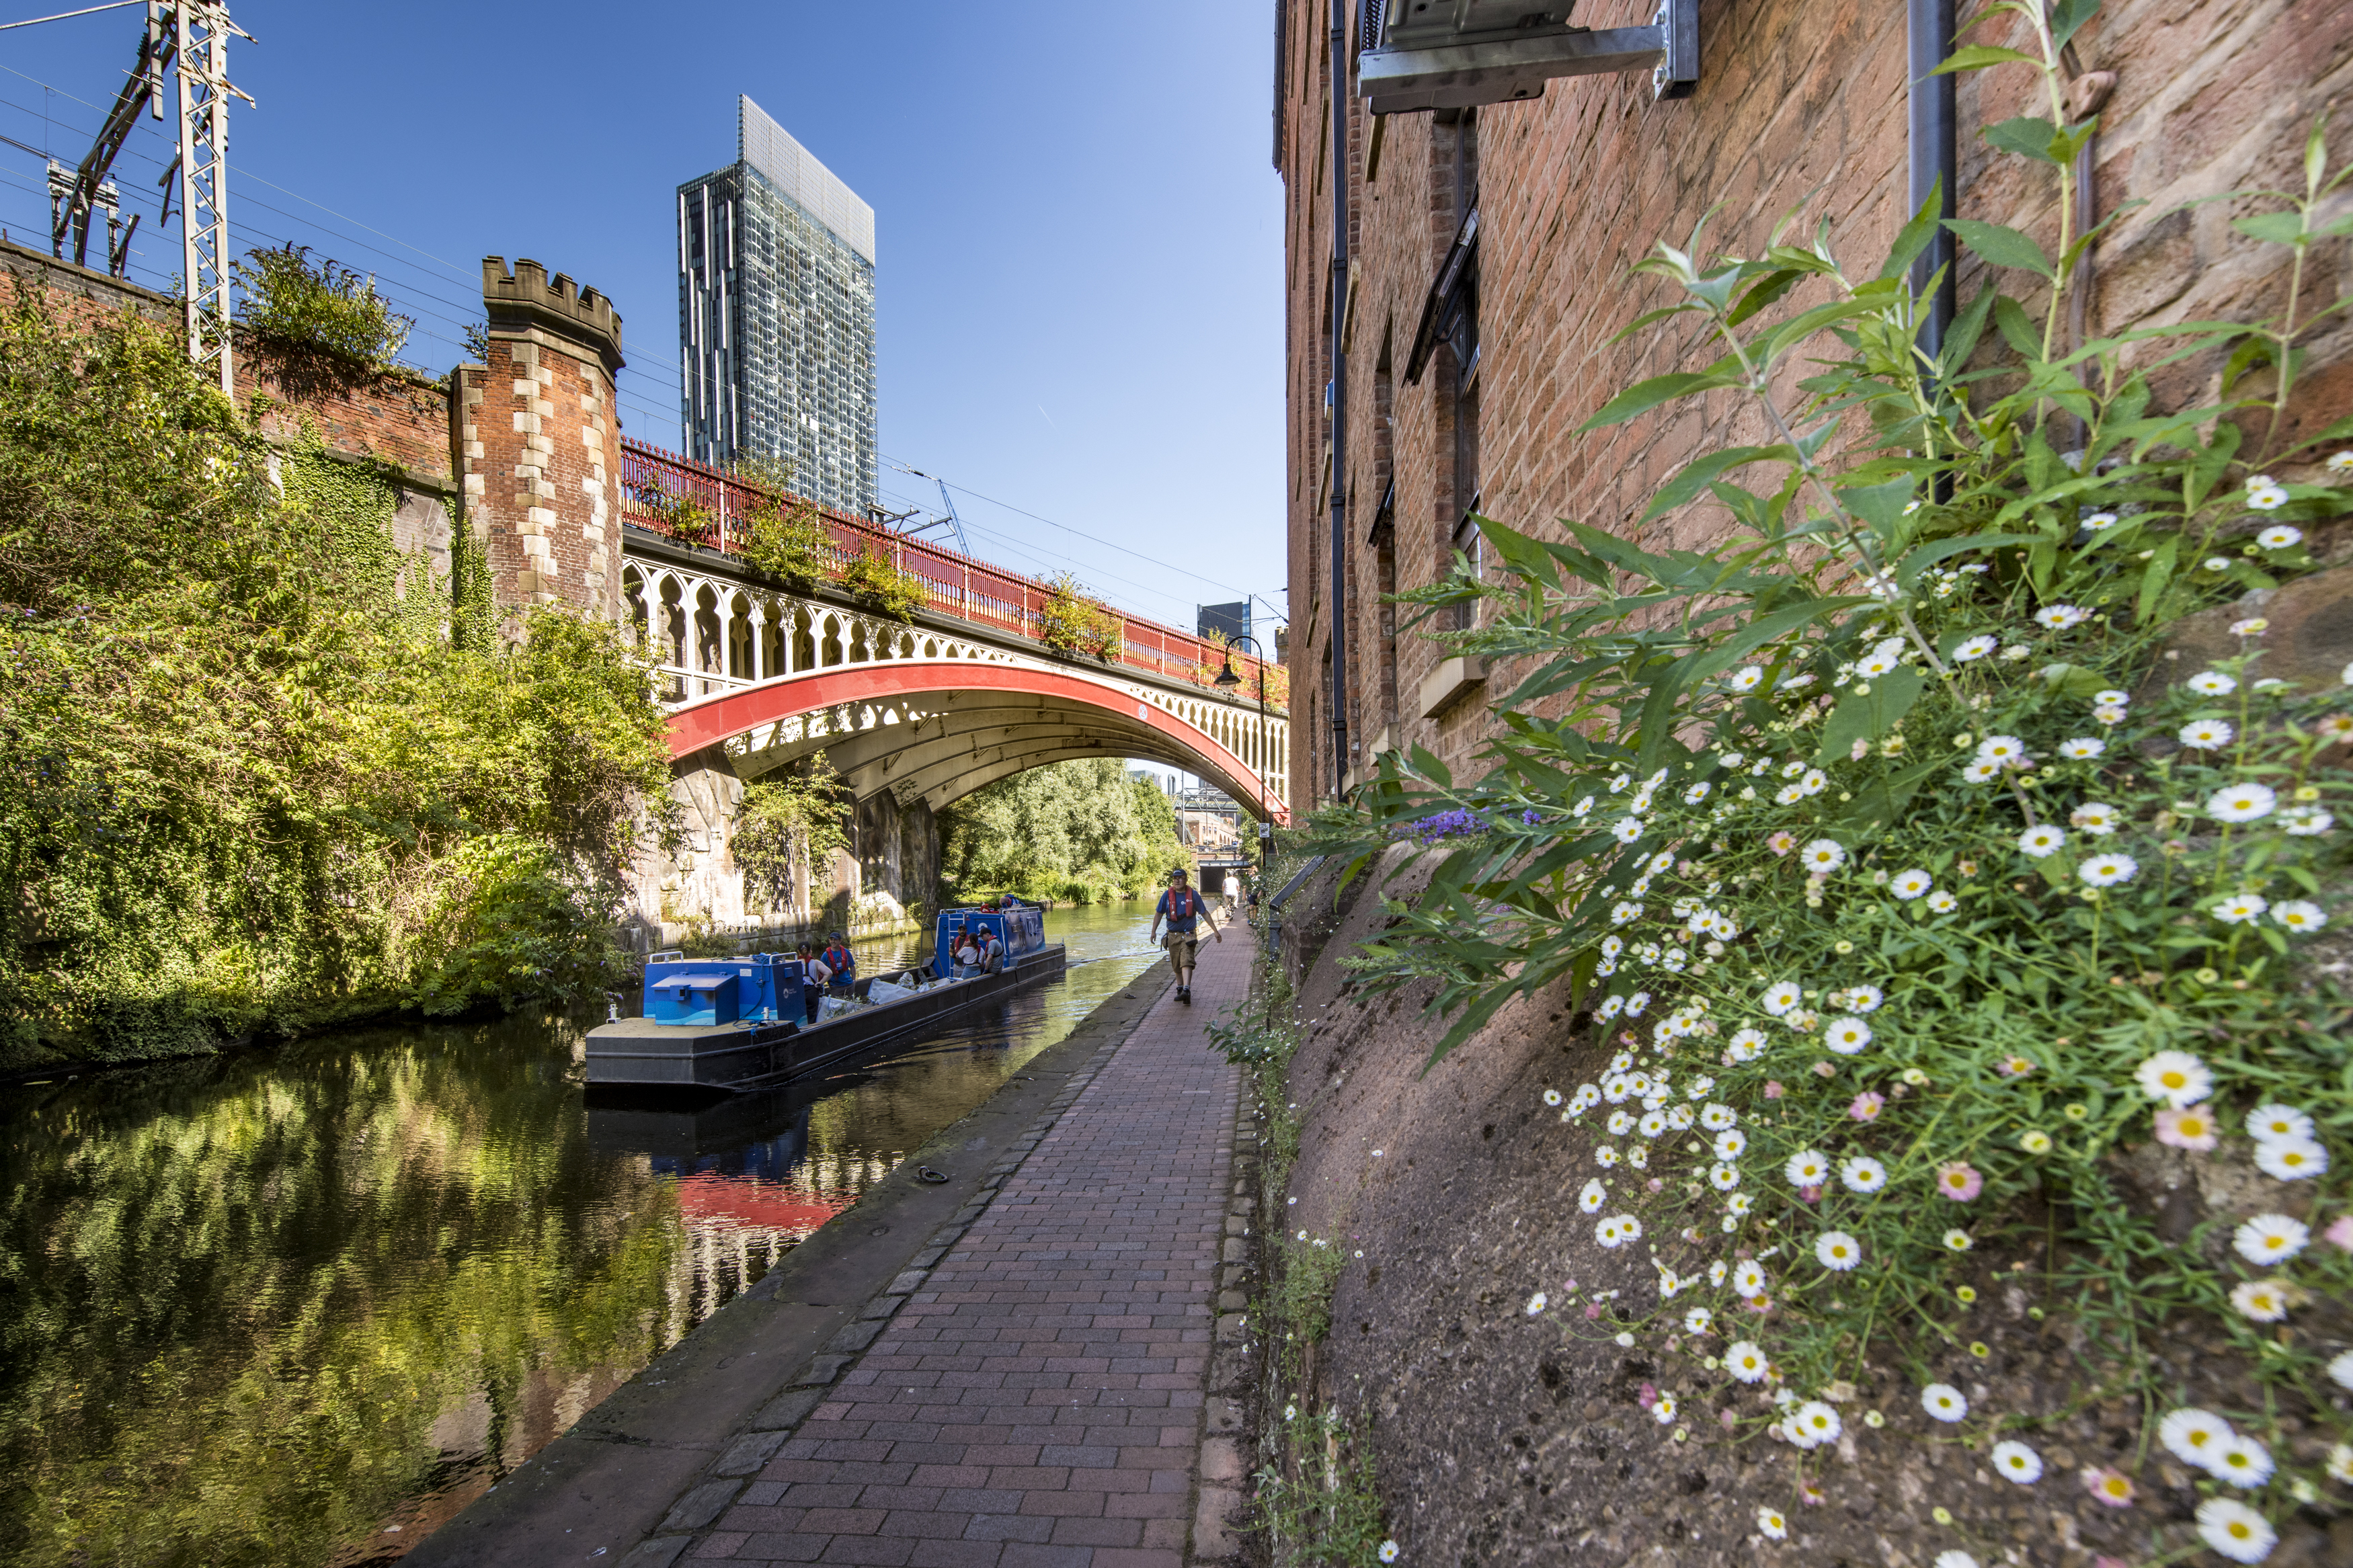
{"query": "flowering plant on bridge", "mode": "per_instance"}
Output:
(1076, 624)
(1929, 907)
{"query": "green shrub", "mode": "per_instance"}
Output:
(1076, 624)
(872, 579)
(293, 308)
(1918, 890)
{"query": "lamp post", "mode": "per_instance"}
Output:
(1228, 679)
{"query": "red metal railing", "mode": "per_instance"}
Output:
(653, 483)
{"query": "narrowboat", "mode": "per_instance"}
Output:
(740, 1023)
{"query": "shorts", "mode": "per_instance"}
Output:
(1180, 946)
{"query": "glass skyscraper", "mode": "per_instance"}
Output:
(775, 316)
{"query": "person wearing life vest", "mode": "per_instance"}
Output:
(992, 952)
(1182, 908)
(838, 957)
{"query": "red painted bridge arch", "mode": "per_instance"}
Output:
(945, 727)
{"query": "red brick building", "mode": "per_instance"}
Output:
(1797, 106)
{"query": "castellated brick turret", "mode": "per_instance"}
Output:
(538, 442)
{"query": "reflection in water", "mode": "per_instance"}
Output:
(298, 1308)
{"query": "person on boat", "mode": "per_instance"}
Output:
(992, 952)
(814, 977)
(967, 956)
(838, 957)
(1182, 908)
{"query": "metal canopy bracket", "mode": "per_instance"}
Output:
(1461, 54)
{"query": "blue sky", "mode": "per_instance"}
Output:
(1078, 229)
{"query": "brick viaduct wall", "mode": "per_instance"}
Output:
(1800, 105)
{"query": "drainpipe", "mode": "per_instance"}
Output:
(1928, 34)
(1337, 589)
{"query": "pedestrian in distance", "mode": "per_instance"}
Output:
(1182, 908)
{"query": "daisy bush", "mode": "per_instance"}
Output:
(1923, 900)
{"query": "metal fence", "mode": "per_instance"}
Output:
(654, 484)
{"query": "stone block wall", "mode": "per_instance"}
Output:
(538, 442)
(1801, 108)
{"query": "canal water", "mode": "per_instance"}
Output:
(299, 1306)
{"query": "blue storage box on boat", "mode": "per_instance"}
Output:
(693, 995)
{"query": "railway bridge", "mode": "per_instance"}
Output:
(913, 705)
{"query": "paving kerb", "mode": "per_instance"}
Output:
(611, 1480)
(1041, 1397)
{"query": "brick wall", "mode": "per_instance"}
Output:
(1800, 106)
(538, 443)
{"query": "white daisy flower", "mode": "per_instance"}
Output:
(1976, 648)
(1942, 902)
(2001, 750)
(2206, 735)
(1628, 829)
(1808, 1168)
(1606, 1156)
(1814, 782)
(1746, 679)
(2042, 839)
(2212, 683)
(1863, 998)
(1697, 793)
(1862, 1174)
(1653, 1122)
(2108, 871)
(1788, 795)
(2279, 537)
(1592, 1195)
(1587, 1097)
(2235, 1531)
(1698, 1321)
(1716, 1118)
(2266, 498)
(1837, 1251)
(1618, 1086)
(1813, 1422)
(1663, 1410)
(2241, 802)
(1942, 1401)
(1953, 1558)
(2112, 698)
(2239, 909)
(2193, 1436)
(2098, 520)
(1634, 1006)
(1846, 1035)
(2095, 818)
(1536, 1304)
(1718, 1272)
(2176, 1077)
(1773, 1526)
(2014, 1462)
(2083, 748)
(2271, 1123)
(1780, 996)
(1749, 1279)
(2217, 563)
(2340, 1368)
(2243, 1462)
(2261, 1300)
(2059, 617)
(2109, 714)
(1724, 1177)
(2291, 1159)
(1911, 884)
(1608, 1234)
(2340, 1463)
(1957, 1241)
(2305, 822)
(1620, 1122)
(1745, 1045)
(1822, 856)
(1980, 772)
(1738, 1205)
(1582, 806)
(1388, 1553)
(2342, 463)
(2299, 914)
(2270, 1238)
(1730, 1144)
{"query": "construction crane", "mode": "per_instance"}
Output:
(190, 38)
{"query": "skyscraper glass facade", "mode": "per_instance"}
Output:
(775, 316)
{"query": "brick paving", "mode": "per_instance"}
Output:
(1038, 1403)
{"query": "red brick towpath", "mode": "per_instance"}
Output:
(1040, 1403)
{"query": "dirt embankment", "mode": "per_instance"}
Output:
(1503, 1437)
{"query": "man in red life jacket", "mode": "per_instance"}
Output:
(1182, 908)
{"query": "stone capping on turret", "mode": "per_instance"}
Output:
(528, 298)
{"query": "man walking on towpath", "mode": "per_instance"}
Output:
(1182, 908)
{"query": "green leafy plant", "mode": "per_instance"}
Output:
(876, 581)
(318, 316)
(1925, 900)
(787, 820)
(1077, 626)
(788, 543)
